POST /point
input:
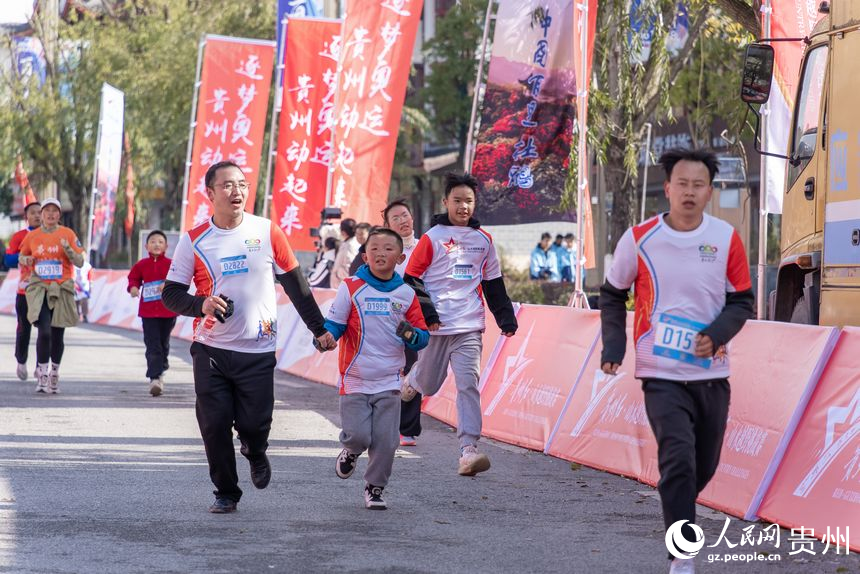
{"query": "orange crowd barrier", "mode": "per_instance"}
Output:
(543, 390)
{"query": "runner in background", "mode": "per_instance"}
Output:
(693, 294)
(454, 266)
(33, 213)
(52, 251)
(83, 284)
(146, 280)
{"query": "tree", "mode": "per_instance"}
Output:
(627, 93)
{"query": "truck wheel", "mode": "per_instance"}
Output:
(800, 314)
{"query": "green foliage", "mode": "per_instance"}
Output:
(453, 55)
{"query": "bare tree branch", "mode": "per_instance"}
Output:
(744, 13)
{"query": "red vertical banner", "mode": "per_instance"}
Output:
(304, 131)
(231, 117)
(129, 188)
(586, 19)
(378, 39)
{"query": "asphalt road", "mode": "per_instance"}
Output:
(104, 478)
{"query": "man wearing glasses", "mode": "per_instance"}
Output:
(232, 259)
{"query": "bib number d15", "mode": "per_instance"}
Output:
(675, 338)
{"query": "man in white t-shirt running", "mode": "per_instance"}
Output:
(692, 295)
(234, 259)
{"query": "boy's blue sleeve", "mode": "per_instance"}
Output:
(420, 339)
(336, 329)
(11, 261)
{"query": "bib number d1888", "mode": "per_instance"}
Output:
(676, 339)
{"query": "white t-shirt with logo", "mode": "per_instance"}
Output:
(240, 263)
(681, 280)
(452, 261)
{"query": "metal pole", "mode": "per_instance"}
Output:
(645, 171)
(579, 299)
(276, 113)
(467, 161)
(94, 188)
(761, 302)
(191, 125)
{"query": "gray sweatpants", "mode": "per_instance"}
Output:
(463, 352)
(372, 423)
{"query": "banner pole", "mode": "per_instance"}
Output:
(94, 189)
(761, 283)
(467, 160)
(192, 124)
(580, 301)
(276, 113)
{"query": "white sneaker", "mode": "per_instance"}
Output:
(472, 462)
(685, 566)
(156, 386)
(54, 382)
(42, 382)
(22, 371)
(373, 498)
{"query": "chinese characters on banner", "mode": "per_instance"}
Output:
(523, 146)
(231, 117)
(790, 19)
(108, 159)
(304, 132)
(582, 91)
(378, 39)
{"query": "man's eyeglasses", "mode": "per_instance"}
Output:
(229, 186)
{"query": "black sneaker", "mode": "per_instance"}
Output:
(373, 497)
(345, 465)
(261, 471)
(223, 506)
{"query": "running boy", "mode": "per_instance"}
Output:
(377, 315)
(452, 268)
(146, 280)
(693, 294)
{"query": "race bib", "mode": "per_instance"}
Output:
(152, 291)
(49, 269)
(380, 306)
(675, 338)
(463, 272)
(234, 265)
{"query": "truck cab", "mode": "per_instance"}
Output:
(819, 270)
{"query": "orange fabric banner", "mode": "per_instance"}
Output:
(304, 132)
(587, 247)
(231, 117)
(817, 486)
(378, 41)
(525, 390)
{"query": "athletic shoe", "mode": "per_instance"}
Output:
(54, 382)
(373, 497)
(407, 440)
(345, 465)
(407, 392)
(156, 386)
(43, 382)
(679, 566)
(223, 506)
(22, 371)
(472, 462)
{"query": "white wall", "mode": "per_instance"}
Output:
(515, 242)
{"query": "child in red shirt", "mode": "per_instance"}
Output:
(146, 280)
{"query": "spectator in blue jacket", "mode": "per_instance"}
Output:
(544, 263)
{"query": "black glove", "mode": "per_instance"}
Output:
(406, 331)
(222, 317)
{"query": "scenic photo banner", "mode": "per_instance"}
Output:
(231, 117)
(304, 131)
(523, 145)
